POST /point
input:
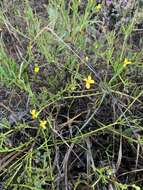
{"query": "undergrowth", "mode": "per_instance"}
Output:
(71, 95)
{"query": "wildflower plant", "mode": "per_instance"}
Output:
(74, 65)
(34, 115)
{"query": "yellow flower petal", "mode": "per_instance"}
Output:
(87, 85)
(87, 58)
(92, 81)
(89, 78)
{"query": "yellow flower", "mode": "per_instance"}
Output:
(127, 62)
(87, 58)
(43, 124)
(98, 7)
(36, 68)
(34, 114)
(88, 82)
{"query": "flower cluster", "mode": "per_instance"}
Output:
(34, 115)
(89, 81)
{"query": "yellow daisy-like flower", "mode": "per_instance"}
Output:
(98, 7)
(43, 124)
(127, 62)
(36, 68)
(88, 82)
(34, 114)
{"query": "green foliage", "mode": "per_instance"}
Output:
(8, 67)
(88, 132)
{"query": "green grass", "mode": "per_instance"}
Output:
(90, 134)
